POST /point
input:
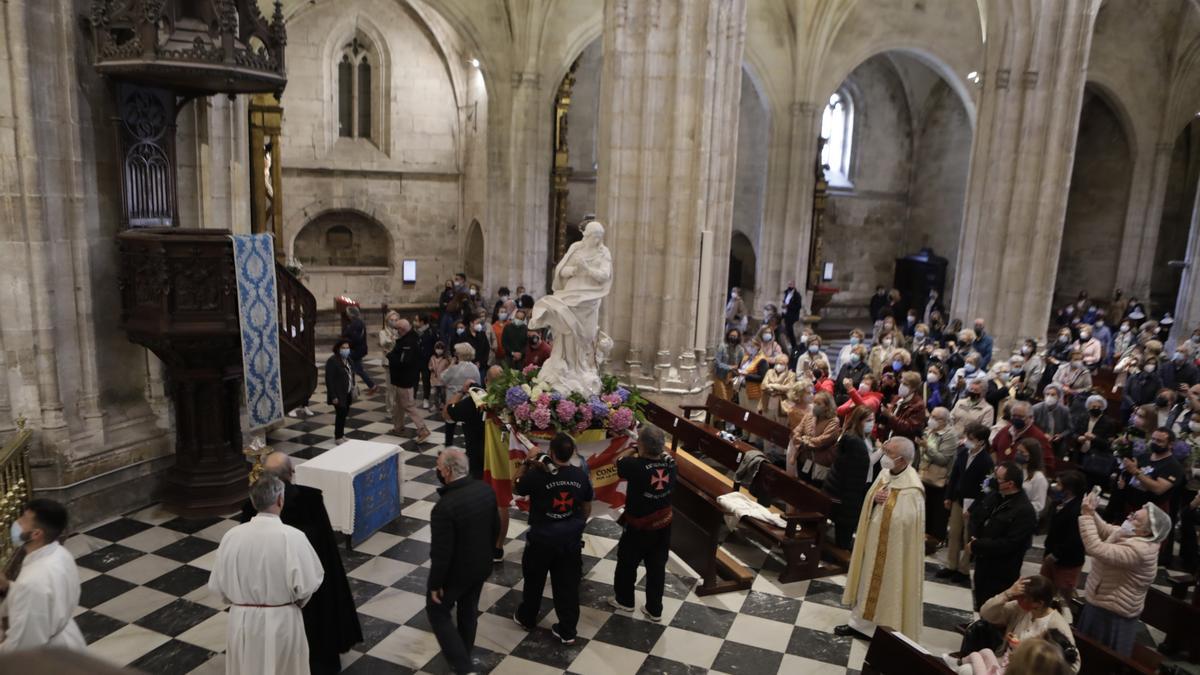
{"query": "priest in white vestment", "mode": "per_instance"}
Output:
(887, 567)
(266, 571)
(44, 593)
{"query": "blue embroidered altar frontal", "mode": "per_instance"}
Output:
(258, 313)
(376, 499)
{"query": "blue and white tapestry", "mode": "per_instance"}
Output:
(258, 311)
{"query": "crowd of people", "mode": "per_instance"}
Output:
(1001, 441)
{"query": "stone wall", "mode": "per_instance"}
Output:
(411, 176)
(1176, 218)
(1096, 203)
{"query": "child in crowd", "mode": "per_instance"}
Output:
(438, 363)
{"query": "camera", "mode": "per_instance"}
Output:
(543, 462)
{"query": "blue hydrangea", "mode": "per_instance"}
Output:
(555, 397)
(599, 408)
(515, 396)
(623, 393)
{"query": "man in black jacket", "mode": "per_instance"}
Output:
(464, 525)
(964, 485)
(1002, 527)
(330, 618)
(404, 371)
(1064, 545)
(650, 476)
(791, 305)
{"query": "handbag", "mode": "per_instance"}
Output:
(980, 635)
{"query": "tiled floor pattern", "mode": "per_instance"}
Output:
(145, 605)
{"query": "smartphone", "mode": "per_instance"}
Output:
(1096, 492)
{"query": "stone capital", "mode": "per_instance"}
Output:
(1029, 79)
(1002, 77)
(529, 78)
(803, 108)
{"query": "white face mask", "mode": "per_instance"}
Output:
(932, 378)
(887, 463)
(868, 426)
(15, 533)
(1051, 401)
(903, 390)
(1127, 529)
(779, 368)
(1194, 425)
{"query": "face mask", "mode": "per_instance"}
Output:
(534, 343)
(887, 463)
(1051, 401)
(1022, 459)
(478, 327)
(1156, 449)
(1177, 357)
(1095, 412)
(932, 378)
(519, 322)
(855, 358)
(887, 342)
(1085, 336)
(439, 352)
(1124, 328)
(732, 339)
(920, 335)
(1127, 529)
(18, 537)
(969, 368)
(344, 353)
(473, 292)
(978, 330)
(460, 331)
(1161, 401)
(863, 388)
(813, 349)
(1196, 339)
(974, 395)
(779, 368)
(767, 337)
(1194, 425)
(503, 316)
(1063, 338)
(803, 339)
(1003, 376)
(903, 390)
(868, 426)
(1019, 424)
(897, 366)
(1025, 351)
(854, 341)
(1076, 364)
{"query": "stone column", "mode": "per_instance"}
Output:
(1187, 303)
(1021, 165)
(1139, 242)
(670, 91)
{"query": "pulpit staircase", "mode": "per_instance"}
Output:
(179, 300)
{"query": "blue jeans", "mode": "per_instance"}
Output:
(356, 364)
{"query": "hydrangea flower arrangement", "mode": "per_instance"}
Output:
(517, 397)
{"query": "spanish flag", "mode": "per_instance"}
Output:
(504, 448)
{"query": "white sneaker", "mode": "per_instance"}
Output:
(425, 404)
(293, 413)
(653, 617)
(308, 412)
(616, 604)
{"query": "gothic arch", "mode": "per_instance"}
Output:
(1100, 86)
(474, 253)
(340, 33)
(343, 238)
(743, 263)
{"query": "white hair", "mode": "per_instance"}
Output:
(456, 462)
(265, 492)
(1097, 398)
(904, 447)
(464, 351)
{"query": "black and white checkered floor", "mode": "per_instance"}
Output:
(145, 602)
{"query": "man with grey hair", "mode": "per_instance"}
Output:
(266, 627)
(330, 617)
(1053, 417)
(404, 372)
(890, 545)
(464, 526)
(939, 445)
(649, 473)
(972, 407)
(1020, 426)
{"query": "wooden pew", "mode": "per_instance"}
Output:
(697, 531)
(1096, 659)
(1180, 620)
(746, 420)
(891, 654)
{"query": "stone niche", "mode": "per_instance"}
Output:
(343, 239)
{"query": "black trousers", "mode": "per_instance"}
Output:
(651, 547)
(937, 517)
(339, 420)
(456, 639)
(993, 578)
(356, 364)
(1189, 552)
(425, 386)
(565, 567)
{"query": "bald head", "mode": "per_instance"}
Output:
(942, 415)
(403, 326)
(279, 465)
(492, 374)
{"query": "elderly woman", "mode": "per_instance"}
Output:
(880, 355)
(812, 357)
(938, 449)
(455, 377)
(798, 402)
(775, 387)
(936, 392)
(728, 357)
(1074, 376)
(1034, 367)
(1092, 439)
(814, 441)
(1089, 346)
(864, 394)
(905, 415)
(968, 370)
(1124, 563)
(856, 339)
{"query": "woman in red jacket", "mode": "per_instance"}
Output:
(905, 415)
(864, 394)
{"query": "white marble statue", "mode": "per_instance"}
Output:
(581, 280)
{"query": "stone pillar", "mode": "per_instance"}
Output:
(1187, 303)
(1021, 162)
(1139, 242)
(670, 91)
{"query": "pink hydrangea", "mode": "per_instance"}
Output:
(540, 417)
(583, 425)
(565, 410)
(522, 411)
(620, 419)
(544, 400)
(611, 399)
(531, 368)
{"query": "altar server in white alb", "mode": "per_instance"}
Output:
(887, 566)
(266, 571)
(43, 594)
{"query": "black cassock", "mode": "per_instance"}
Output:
(330, 618)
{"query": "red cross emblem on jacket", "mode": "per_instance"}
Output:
(563, 502)
(660, 479)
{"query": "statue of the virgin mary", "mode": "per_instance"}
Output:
(581, 280)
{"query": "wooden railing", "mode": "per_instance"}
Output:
(297, 312)
(16, 485)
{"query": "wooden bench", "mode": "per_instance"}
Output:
(1097, 659)
(697, 531)
(891, 654)
(1178, 619)
(746, 420)
(806, 508)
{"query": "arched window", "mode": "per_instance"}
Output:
(355, 89)
(837, 128)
